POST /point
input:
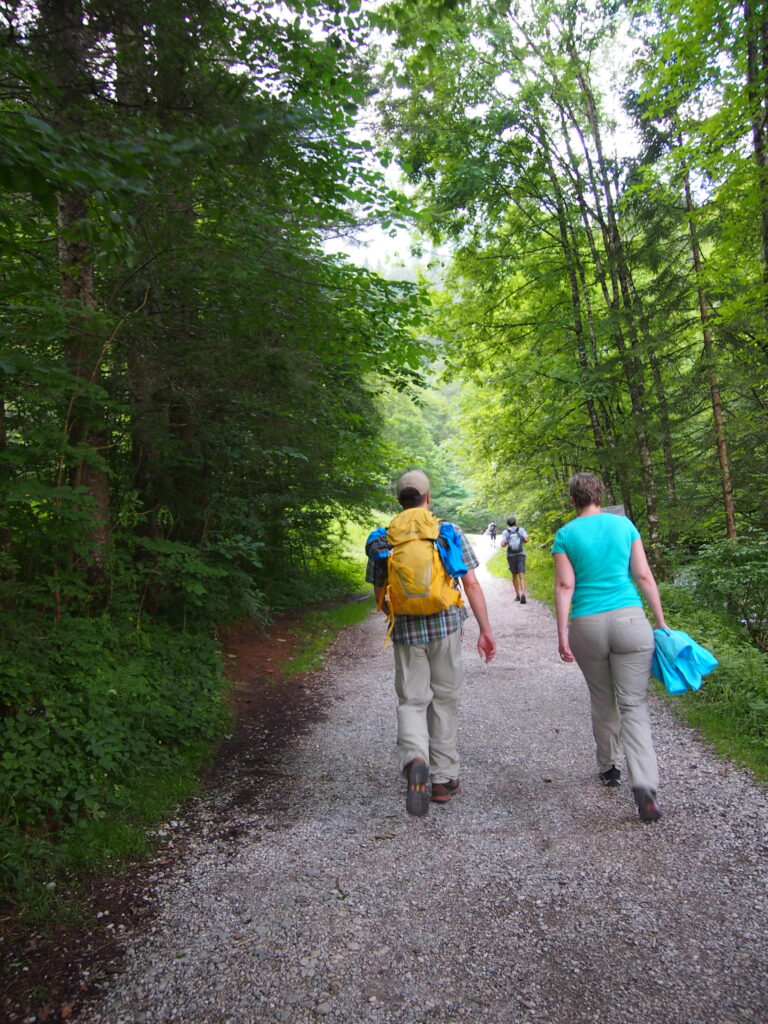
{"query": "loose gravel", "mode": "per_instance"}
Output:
(534, 896)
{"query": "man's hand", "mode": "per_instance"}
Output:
(486, 646)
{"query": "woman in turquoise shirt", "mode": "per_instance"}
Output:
(598, 555)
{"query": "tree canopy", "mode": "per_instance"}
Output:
(605, 300)
(183, 363)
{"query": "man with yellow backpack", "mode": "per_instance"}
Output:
(418, 566)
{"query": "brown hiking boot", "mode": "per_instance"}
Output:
(443, 791)
(647, 807)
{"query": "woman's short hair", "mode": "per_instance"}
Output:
(586, 489)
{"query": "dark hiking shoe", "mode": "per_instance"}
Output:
(522, 599)
(417, 794)
(647, 807)
(611, 777)
(443, 791)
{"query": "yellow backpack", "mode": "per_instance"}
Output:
(417, 583)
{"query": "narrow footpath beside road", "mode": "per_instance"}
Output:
(534, 896)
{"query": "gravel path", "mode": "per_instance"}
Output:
(535, 896)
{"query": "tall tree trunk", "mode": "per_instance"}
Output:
(619, 297)
(571, 257)
(756, 31)
(613, 280)
(169, 380)
(711, 364)
(143, 342)
(6, 545)
(63, 40)
(670, 473)
(607, 431)
(621, 300)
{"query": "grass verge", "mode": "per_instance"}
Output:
(319, 629)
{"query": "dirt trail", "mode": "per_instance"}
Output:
(298, 890)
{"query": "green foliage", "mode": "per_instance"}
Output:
(87, 700)
(733, 575)
(192, 587)
(421, 430)
(41, 870)
(103, 727)
(732, 705)
(102, 700)
(189, 380)
(205, 386)
(569, 305)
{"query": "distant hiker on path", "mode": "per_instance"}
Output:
(513, 539)
(491, 531)
(597, 555)
(406, 565)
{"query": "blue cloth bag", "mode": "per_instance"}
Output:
(679, 662)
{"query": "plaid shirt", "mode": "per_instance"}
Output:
(421, 629)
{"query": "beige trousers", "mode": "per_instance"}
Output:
(614, 651)
(428, 681)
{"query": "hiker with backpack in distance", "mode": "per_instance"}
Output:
(491, 531)
(415, 565)
(513, 539)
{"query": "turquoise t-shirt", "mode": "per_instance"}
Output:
(599, 548)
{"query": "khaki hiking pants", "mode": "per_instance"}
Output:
(428, 682)
(614, 651)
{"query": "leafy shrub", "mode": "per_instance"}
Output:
(737, 690)
(732, 575)
(85, 702)
(324, 562)
(49, 526)
(192, 587)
